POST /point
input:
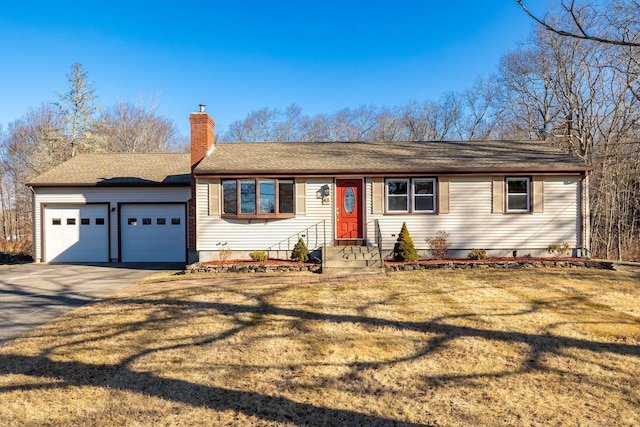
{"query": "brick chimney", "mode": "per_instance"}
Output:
(202, 140)
(202, 134)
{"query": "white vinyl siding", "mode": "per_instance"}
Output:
(111, 196)
(471, 224)
(214, 232)
(468, 220)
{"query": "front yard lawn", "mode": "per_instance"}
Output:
(439, 348)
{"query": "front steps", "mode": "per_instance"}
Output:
(351, 259)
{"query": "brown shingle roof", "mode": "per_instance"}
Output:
(107, 169)
(378, 157)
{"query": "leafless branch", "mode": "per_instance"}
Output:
(581, 33)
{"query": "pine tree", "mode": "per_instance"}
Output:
(300, 251)
(78, 108)
(404, 249)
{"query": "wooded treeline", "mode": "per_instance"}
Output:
(53, 132)
(578, 93)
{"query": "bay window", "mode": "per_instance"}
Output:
(258, 198)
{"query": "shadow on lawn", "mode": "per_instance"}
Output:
(253, 404)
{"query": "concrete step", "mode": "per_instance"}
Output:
(351, 259)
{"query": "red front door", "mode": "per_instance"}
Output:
(349, 209)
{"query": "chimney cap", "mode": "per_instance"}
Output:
(202, 107)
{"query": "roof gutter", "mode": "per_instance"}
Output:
(123, 184)
(404, 172)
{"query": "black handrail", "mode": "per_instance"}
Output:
(310, 235)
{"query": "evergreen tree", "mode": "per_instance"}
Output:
(300, 251)
(78, 108)
(404, 249)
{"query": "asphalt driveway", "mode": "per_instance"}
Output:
(34, 294)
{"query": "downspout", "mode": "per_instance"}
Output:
(33, 223)
(587, 216)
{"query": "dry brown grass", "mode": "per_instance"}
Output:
(553, 347)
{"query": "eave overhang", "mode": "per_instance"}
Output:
(573, 170)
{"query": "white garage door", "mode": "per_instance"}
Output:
(153, 233)
(76, 233)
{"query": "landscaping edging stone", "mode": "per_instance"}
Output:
(252, 268)
(458, 265)
(393, 266)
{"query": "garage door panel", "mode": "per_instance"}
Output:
(76, 233)
(153, 233)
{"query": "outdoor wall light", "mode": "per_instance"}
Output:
(324, 191)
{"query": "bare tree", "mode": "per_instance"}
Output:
(353, 124)
(30, 146)
(316, 128)
(585, 96)
(267, 124)
(388, 125)
(526, 79)
(480, 111)
(431, 120)
(622, 17)
(128, 128)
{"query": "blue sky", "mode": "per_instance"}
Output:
(239, 56)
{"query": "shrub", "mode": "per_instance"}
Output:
(224, 253)
(559, 248)
(404, 249)
(439, 245)
(259, 256)
(477, 254)
(300, 251)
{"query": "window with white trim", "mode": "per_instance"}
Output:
(415, 195)
(518, 191)
(424, 195)
(258, 198)
(398, 195)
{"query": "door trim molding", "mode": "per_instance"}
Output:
(362, 213)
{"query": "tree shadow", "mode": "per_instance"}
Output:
(249, 314)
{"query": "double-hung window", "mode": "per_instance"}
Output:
(518, 194)
(411, 195)
(398, 195)
(258, 198)
(424, 195)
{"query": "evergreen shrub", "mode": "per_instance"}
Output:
(300, 251)
(259, 256)
(404, 249)
(477, 254)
